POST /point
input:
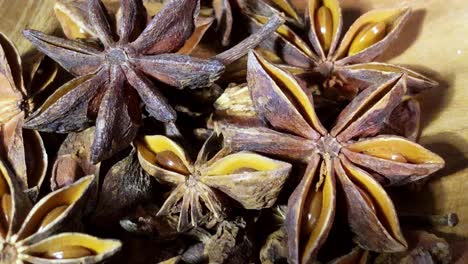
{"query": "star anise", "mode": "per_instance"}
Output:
(74, 20)
(250, 179)
(350, 151)
(28, 234)
(23, 148)
(112, 81)
(341, 69)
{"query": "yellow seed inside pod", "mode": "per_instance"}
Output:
(324, 27)
(67, 252)
(367, 36)
(390, 156)
(6, 208)
(52, 215)
(169, 160)
(313, 207)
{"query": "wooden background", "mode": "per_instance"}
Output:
(434, 42)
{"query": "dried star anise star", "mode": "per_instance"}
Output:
(340, 68)
(28, 233)
(250, 179)
(23, 149)
(112, 81)
(349, 152)
(74, 20)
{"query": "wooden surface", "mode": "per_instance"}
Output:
(434, 42)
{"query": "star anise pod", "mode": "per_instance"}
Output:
(23, 148)
(250, 179)
(74, 19)
(112, 82)
(340, 68)
(28, 233)
(72, 162)
(350, 152)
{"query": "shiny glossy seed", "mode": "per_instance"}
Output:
(6, 208)
(312, 210)
(367, 36)
(169, 160)
(67, 252)
(390, 156)
(324, 27)
(52, 215)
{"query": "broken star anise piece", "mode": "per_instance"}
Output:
(27, 235)
(23, 148)
(250, 179)
(360, 166)
(112, 82)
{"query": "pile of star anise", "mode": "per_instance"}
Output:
(223, 131)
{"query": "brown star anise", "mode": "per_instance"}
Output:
(112, 81)
(74, 20)
(341, 69)
(23, 149)
(349, 152)
(28, 233)
(250, 179)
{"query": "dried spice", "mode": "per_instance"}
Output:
(23, 149)
(224, 18)
(350, 151)
(74, 20)
(72, 162)
(145, 221)
(235, 106)
(341, 69)
(357, 256)
(28, 233)
(127, 183)
(250, 179)
(423, 247)
(112, 82)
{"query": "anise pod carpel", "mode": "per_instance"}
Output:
(224, 18)
(405, 119)
(74, 20)
(124, 186)
(343, 67)
(113, 81)
(235, 106)
(349, 152)
(22, 148)
(72, 162)
(250, 179)
(356, 256)
(28, 233)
